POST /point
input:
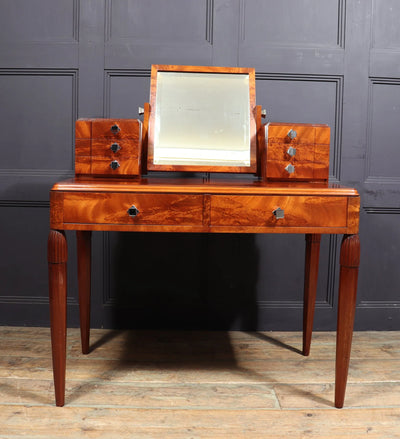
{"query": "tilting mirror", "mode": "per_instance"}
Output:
(202, 119)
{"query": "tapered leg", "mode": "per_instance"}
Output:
(57, 259)
(349, 263)
(310, 288)
(84, 242)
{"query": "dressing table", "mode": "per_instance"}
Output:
(180, 171)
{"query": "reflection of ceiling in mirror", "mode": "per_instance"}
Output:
(202, 119)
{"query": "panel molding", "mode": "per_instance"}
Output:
(341, 40)
(341, 30)
(329, 300)
(40, 42)
(116, 73)
(37, 173)
(373, 44)
(208, 28)
(378, 304)
(382, 180)
(76, 15)
(20, 203)
(372, 210)
(73, 73)
(368, 177)
(209, 21)
(32, 300)
(336, 151)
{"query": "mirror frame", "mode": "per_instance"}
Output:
(252, 168)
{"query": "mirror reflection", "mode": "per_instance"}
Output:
(202, 119)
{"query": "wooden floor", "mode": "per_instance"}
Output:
(153, 384)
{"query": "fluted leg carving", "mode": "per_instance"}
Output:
(349, 263)
(310, 288)
(57, 262)
(84, 244)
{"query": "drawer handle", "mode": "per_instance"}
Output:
(292, 134)
(115, 129)
(279, 213)
(114, 164)
(289, 168)
(115, 147)
(291, 151)
(133, 211)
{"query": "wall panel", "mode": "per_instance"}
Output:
(320, 61)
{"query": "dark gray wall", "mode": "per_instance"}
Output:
(324, 61)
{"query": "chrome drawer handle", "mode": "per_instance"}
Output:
(114, 164)
(279, 213)
(115, 129)
(292, 134)
(115, 147)
(291, 151)
(133, 211)
(289, 168)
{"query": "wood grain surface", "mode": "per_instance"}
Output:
(93, 140)
(171, 384)
(311, 159)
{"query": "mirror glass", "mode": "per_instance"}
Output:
(202, 119)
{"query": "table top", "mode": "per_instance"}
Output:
(198, 185)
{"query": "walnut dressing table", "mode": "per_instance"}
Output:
(202, 119)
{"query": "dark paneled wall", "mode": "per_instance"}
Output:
(322, 61)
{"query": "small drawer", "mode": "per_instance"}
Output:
(290, 170)
(291, 152)
(153, 209)
(122, 147)
(298, 211)
(279, 133)
(124, 128)
(304, 156)
(115, 166)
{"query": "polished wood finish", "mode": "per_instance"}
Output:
(93, 153)
(57, 261)
(264, 203)
(299, 211)
(112, 208)
(203, 69)
(349, 263)
(173, 205)
(311, 161)
(218, 205)
(261, 145)
(84, 250)
(145, 130)
(310, 288)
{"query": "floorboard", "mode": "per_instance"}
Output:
(198, 384)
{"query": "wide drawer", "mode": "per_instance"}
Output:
(298, 211)
(153, 209)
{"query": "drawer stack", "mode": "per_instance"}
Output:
(108, 147)
(297, 152)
